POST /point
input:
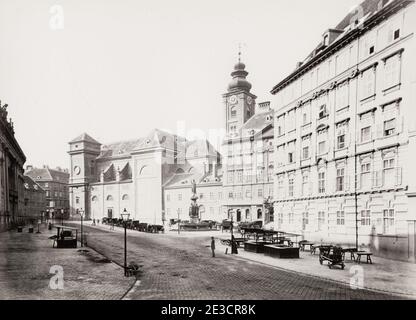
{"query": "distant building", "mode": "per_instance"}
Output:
(12, 160)
(34, 200)
(345, 134)
(55, 184)
(248, 152)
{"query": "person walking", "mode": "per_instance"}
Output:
(233, 245)
(213, 246)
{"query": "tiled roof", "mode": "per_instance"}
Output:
(119, 148)
(84, 137)
(369, 7)
(31, 185)
(259, 122)
(48, 174)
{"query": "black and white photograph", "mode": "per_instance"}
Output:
(229, 152)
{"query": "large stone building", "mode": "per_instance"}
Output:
(55, 184)
(133, 175)
(345, 134)
(34, 200)
(12, 160)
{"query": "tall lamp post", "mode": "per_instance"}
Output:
(81, 213)
(62, 216)
(125, 216)
(232, 230)
(179, 225)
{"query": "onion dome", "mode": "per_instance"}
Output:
(239, 81)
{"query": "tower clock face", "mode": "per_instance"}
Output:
(233, 99)
(77, 170)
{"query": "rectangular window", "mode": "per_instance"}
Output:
(322, 111)
(340, 218)
(389, 172)
(365, 218)
(291, 186)
(392, 71)
(260, 193)
(389, 127)
(341, 141)
(388, 221)
(321, 147)
(291, 217)
(240, 176)
(248, 194)
(180, 196)
(230, 176)
(168, 197)
(305, 220)
(291, 157)
(230, 195)
(219, 195)
(368, 83)
(248, 175)
(365, 134)
(305, 184)
(305, 153)
(321, 220)
(260, 174)
(321, 182)
(342, 96)
(211, 196)
(340, 179)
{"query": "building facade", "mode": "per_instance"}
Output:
(55, 184)
(12, 160)
(344, 134)
(34, 200)
(107, 179)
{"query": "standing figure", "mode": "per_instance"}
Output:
(213, 246)
(233, 246)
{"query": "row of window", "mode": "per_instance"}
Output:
(212, 196)
(365, 220)
(389, 176)
(247, 176)
(392, 78)
(249, 195)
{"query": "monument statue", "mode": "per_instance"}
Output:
(194, 209)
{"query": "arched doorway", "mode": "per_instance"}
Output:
(259, 214)
(248, 216)
(238, 215)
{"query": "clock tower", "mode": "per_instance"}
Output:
(83, 152)
(239, 101)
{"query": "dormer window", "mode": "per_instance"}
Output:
(371, 50)
(326, 40)
(322, 111)
(397, 34)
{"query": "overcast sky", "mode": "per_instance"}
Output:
(117, 69)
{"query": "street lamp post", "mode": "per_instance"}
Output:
(125, 215)
(81, 213)
(179, 225)
(62, 216)
(232, 230)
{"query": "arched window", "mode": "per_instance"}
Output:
(94, 199)
(233, 112)
(110, 198)
(125, 197)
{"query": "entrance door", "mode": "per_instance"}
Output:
(110, 213)
(238, 215)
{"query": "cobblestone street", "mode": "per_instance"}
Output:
(177, 267)
(25, 264)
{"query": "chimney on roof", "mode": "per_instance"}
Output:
(299, 64)
(263, 106)
(29, 167)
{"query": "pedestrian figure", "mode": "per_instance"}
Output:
(98, 221)
(233, 246)
(93, 222)
(213, 246)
